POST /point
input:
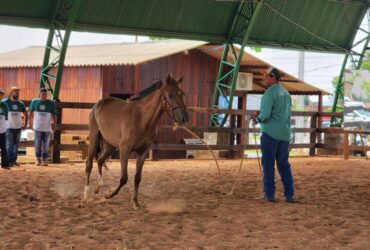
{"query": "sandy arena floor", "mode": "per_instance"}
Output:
(185, 207)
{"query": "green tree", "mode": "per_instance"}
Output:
(366, 62)
(155, 38)
(365, 85)
(335, 81)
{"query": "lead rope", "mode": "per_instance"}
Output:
(241, 162)
(175, 127)
(240, 165)
(196, 136)
(257, 152)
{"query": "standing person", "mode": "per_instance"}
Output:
(42, 117)
(274, 117)
(14, 124)
(3, 118)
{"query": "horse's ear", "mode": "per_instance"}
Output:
(168, 78)
(180, 80)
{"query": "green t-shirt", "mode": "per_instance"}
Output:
(43, 112)
(275, 113)
(3, 117)
(15, 110)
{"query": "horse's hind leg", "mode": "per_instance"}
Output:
(139, 167)
(94, 138)
(124, 152)
(106, 152)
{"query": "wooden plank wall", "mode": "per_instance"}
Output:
(199, 71)
(89, 84)
(79, 84)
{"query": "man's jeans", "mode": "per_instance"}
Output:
(276, 150)
(42, 140)
(12, 142)
(4, 153)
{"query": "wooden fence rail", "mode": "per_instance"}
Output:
(315, 131)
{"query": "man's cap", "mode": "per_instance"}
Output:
(12, 89)
(43, 90)
(274, 72)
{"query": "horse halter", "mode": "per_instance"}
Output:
(166, 103)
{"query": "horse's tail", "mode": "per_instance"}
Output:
(95, 133)
(94, 145)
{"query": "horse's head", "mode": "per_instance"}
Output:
(173, 99)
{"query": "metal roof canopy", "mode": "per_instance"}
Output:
(116, 54)
(318, 25)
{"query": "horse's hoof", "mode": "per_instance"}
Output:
(136, 206)
(97, 190)
(86, 193)
(108, 196)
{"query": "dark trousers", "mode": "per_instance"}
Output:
(42, 140)
(274, 150)
(4, 153)
(12, 142)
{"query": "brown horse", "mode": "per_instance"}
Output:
(130, 126)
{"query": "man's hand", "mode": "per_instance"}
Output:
(254, 116)
(53, 127)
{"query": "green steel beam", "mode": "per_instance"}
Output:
(67, 34)
(49, 44)
(339, 96)
(54, 31)
(338, 104)
(365, 48)
(226, 78)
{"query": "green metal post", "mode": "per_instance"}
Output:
(45, 63)
(49, 44)
(71, 19)
(233, 73)
(339, 91)
(365, 48)
(338, 95)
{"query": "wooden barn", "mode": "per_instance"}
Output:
(121, 70)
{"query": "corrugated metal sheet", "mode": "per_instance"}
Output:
(100, 54)
(258, 67)
(137, 53)
(324, 25)
(82, 84)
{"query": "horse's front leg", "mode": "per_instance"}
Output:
(124, 153)
(139, 167)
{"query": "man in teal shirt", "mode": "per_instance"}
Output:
(42, 118)
(274, 117)
(14, 124)
(3, 118)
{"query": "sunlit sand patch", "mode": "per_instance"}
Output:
(65, 190)
(173, 206)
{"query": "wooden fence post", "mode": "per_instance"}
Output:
(346, 146)
(232, 136)
(57, 133)
(313, 134)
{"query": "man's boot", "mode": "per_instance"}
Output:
(45, 162)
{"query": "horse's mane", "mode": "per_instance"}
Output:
(147, 91)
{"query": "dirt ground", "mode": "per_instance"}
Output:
(186, 207)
